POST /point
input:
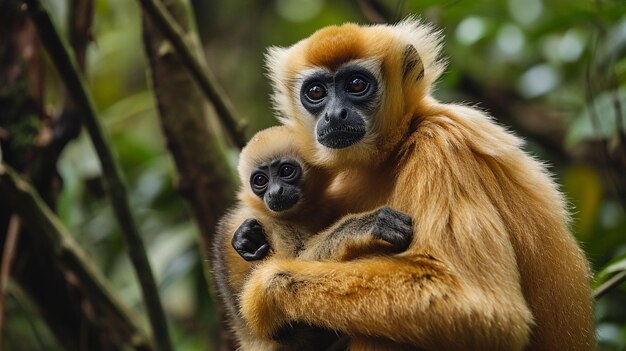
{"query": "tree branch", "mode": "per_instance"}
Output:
(66, 126)
(18, 195)
(201, 75)
(204, 176)
(66, 67)
(7, 259)
(615, 281)
(374, 11)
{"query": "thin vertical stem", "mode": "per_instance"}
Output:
(69, 73)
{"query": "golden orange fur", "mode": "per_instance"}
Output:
(291, 234)
(270, 144)
(230, 269)
(492, 265)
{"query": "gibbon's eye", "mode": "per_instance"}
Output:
(287, 171)
(259, 180)
(315, 92)
(357, 85)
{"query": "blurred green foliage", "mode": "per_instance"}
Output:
(552, 56)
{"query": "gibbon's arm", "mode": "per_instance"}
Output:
(382, 231)
(232, 267)
(457, 286)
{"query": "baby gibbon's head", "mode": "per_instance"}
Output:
(273, 172)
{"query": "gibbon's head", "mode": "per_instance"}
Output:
(355, 87)
(273, 174)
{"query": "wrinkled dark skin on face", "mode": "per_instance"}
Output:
(279, 184)
(341, 103)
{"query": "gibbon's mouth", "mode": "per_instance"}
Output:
(342, 136)
(282, 203)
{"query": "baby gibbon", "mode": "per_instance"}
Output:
(284, 202)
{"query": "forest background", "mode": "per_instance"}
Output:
(166, 144)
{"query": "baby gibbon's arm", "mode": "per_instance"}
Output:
(457, 287)
(382, 231)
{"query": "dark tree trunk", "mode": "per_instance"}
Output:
(204, 177)
(65, 286)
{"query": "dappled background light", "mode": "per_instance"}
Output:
(551, 71)
(299, 10)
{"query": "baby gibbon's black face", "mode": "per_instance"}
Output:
(278, 183)
(342, 102)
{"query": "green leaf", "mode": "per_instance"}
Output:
(617, 265)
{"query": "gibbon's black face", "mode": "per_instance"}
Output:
(342, 102)
(277, 183)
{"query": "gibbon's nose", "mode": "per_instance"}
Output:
(338, 115)
(341, 127)
(280, 198)
(275, 190)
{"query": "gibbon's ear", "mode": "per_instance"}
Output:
(427, 46)
(412, 65)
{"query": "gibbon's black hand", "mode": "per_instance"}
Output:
(393, 227)
(249, 241)
(304, 337)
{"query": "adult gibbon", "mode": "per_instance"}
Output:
(283, 202)
(492, 264)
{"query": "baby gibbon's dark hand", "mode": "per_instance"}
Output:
(250, 241)
(393, 227)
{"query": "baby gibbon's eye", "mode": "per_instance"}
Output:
(287, 171)
(259, 180)
(315, 92)
(356, 85)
